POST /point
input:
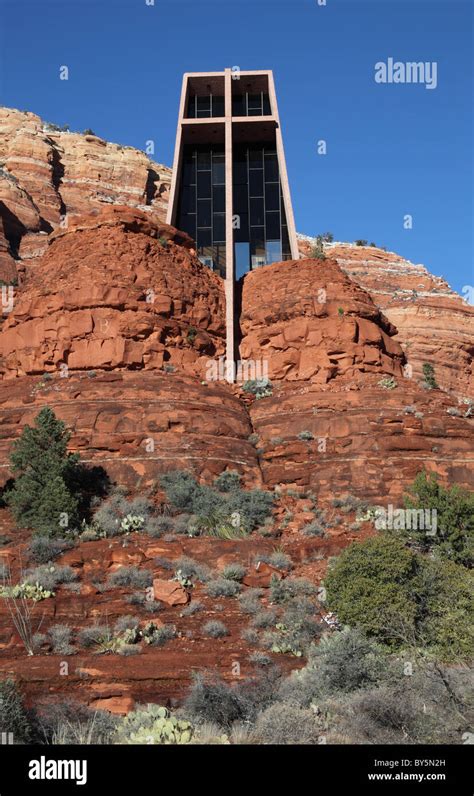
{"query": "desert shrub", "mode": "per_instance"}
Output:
(429, 376)
(117, 515)
(233, 572)
(314, 528)
(260, 659)
(227, 481)
(192, 570)
(159, 636)
(253, 505)
(70, 722)
(305, 436)
(264, 619)
(126, 622)
(454, 538)
(317, 249)
(139, 599)
(13, 715)
(41, 496)
(250, 635)
(343, 662)
(261, 388)
(211, 700)
(215, 629)
(193, 608)
(223, 588)
(60, 637)
(180, 488)
(388, 383)
(277, 559)
(94, 635)
(361, 242)
(249, 601)
(294, 632)
(287, 724)
(157, 526)
(48, 576)
(131, 577)
(284, 591)
(43, 549)
(128, 649)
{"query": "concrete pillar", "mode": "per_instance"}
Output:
(229, 235)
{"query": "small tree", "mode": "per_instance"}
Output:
(41, 497)
(454, 536)
(317, 250)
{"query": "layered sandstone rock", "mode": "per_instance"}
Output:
(434, 323)
(49, 177)
(343, 417)
(115, 291)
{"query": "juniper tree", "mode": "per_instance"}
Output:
(41, 497)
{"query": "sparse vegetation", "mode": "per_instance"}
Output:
(215, 629)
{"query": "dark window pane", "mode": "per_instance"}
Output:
(187, 223)
(256, 212)
(188, 199)
(266, 105)
(241, 199)
(203, 106)
(204, 213)
(189, 171)
(218, 106)
(271, 168)
(256, 182)
(238, 105)
(218, 230)
(273, 226)
(255, 157)
(272, 196)
(204, 237)
(240, 172)
(191, 108)
(218, 196)
(204, 160)
(204, 184)
(255, 102)
(241, 231)
(218, 172)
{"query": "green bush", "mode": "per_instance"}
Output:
(261, 388)
(211, 700)
(227, 481)
(429, 376)
(233, 572)
(454, 508)
(230, 514)
(41, 497)
(60, 637)
(43, 549)
(402, 598)
(287, 724)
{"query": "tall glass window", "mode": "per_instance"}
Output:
(261, 235)
(251, 104)
(201, 210)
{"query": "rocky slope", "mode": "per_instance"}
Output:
(434, 323)
(48, 177)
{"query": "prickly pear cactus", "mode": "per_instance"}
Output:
(154, 725)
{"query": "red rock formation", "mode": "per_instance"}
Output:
(115, 291)
(335, 361)
(49, 177)
(434, 323)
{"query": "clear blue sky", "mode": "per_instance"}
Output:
(392, 149)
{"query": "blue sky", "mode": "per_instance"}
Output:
(392, 150)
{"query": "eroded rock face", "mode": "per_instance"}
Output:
(434, 323)
(343, 417)
(115, 291)
(50, 177)
(309, 322)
